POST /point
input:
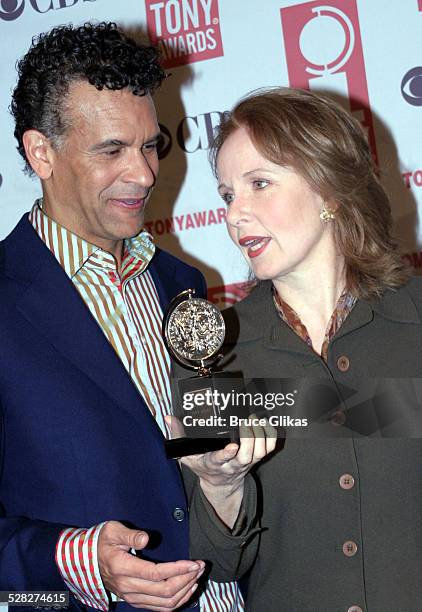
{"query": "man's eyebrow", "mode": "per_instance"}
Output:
(111, 142)
(115, 142)
(154, 138)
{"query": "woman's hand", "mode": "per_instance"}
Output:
(221, 473)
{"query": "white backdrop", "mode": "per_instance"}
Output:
(367, 52)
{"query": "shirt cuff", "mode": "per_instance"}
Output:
(77, 560)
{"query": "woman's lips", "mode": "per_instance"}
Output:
(255, 244)
(132, 203)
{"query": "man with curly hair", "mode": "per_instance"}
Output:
(84, 374)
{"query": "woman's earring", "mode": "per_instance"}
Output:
(327, 214)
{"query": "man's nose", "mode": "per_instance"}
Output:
(141, 169)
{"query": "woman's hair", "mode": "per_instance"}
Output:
(329, 149)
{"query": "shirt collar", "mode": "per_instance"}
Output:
(73, 252)
(341, 311)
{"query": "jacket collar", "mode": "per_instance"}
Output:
(397, 305)
(260, 319)
(51, 304)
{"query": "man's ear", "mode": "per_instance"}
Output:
(38, 153)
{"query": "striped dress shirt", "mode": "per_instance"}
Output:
(128, 311)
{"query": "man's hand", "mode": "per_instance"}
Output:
(143, 584)
(221, 473)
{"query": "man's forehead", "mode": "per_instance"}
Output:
(86, 102)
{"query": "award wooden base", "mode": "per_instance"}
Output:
(204, 414)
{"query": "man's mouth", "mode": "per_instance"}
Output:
(132, 203)
(255, 244)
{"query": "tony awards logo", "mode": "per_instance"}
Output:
(194, 331)
(325, 62)
(324, 52)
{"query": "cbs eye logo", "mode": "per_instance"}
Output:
(11, 9)
(411, 86)
(164, 142)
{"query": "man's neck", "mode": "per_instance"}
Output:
(114, 247)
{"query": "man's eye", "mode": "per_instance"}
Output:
(260, 184)
(150, 146)
(112, 152)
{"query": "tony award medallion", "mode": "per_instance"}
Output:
(194, 331)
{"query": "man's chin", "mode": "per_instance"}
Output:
(129, 229)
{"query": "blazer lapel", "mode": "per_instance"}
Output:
(163, 273)
(51, 303)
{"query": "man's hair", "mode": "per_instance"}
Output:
(99, 54)
(318, 139)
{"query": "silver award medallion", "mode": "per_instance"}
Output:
(194, 330)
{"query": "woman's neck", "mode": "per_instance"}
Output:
(314, 296)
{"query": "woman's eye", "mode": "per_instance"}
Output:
(260, 183)
(227, 197)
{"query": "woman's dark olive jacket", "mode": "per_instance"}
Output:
(339, 517)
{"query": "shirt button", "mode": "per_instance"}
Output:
(343, 363)
(350, 548)
(347, 481)
(355, 609)
(338, 418)
(179, 514)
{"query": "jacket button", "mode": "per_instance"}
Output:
(346, 481)
(179, 514)
(343, 363)
(350, 548)
(355, 609)
(338, 418)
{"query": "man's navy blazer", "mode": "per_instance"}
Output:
(78, 443)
